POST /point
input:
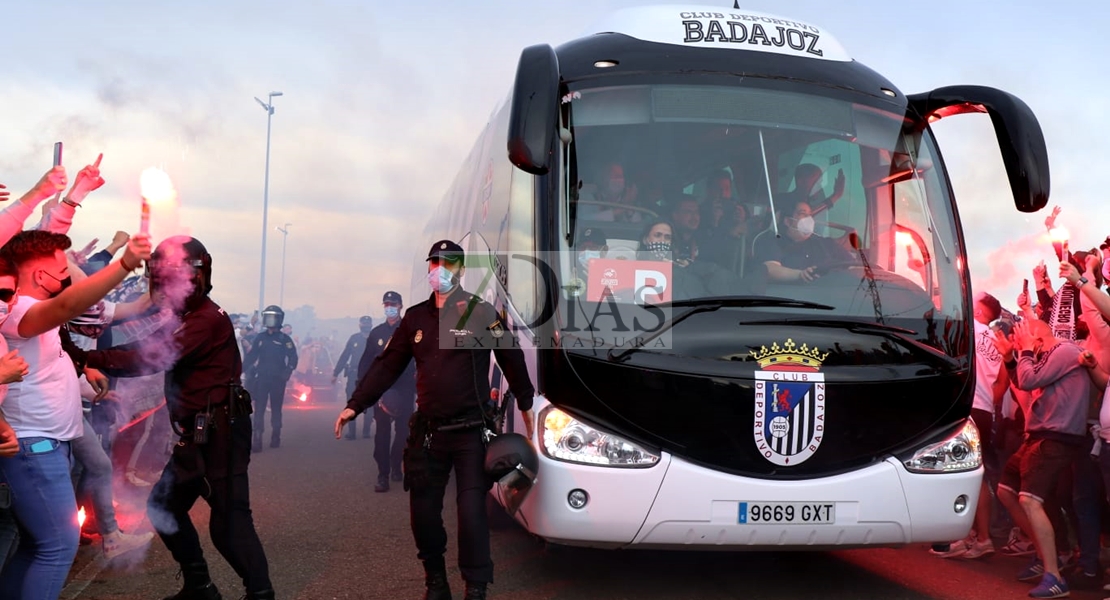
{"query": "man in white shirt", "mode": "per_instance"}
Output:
(991, 383)
(45, 408)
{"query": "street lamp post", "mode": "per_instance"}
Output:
(284, 238)
(269, 107)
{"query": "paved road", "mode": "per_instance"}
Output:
(329, 536)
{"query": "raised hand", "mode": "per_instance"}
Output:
(1069, 272)
(53, 182)
(87, 180)
(1040, 272)
(138, 250)
(89, 247)
(1050, 220)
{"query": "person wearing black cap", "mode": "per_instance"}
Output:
(209, 412)
(450, 336)
(347, 364)
(396, 406)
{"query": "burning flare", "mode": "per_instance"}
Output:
(81, 516)
(156, 186)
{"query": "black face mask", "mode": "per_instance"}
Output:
(64, 283)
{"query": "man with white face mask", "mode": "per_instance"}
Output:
(449, 336)
(798, 255)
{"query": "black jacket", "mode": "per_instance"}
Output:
(348, 361)
(379, 337)
(206, 361)
(272, 356)
(453, 380)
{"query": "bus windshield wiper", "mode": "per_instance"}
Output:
(899, 333)
(846, 324)
(700, 305)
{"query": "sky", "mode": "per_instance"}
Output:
(382, 102)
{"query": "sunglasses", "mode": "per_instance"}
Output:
(7, 294)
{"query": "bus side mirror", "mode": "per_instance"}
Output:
(533, 117)
(1019, 135)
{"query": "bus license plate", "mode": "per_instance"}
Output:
(778, 513)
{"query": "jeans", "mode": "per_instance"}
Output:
(9, 534)
(46, 510)
(96, 478)
(1087, 497)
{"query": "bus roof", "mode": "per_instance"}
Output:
(713, 27)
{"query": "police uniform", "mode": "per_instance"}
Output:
(348, 363)
(204, 378)
(452, 386)
(395, 408)
(270, 362)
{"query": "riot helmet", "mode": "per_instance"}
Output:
(272, 317)
(511, 466)
(365, 324)
(180, 272)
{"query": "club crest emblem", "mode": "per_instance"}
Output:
(419, 336)
(789, 419)
(379, 342)
(496, 329)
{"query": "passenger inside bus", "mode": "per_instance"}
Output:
(725, 246)
(591, 244)
(604, 201)
(692, 278)
(798, 254)
(686, 216)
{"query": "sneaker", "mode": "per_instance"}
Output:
(117, 542)
(382, 485)
(1050, 587)
(1033, 572)
(955, 549)
(1018, 545)
(979, 549)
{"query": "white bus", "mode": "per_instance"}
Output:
(796, 414)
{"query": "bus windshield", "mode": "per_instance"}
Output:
(723, 191)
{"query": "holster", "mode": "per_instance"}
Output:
(239, 402)
(421, 470)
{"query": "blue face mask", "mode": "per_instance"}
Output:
(391, 312)
(586, 256)
(441, 280)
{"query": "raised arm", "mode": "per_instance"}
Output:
(73, 301)
(14, 215)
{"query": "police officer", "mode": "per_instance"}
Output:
(449, 335)
(396, 406)
(269, 364)
(210, 413)
(348, 364)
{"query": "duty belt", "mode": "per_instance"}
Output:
(456, 423)
(185, 429)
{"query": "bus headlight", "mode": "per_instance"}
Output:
(568, 439)
(960, 452)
